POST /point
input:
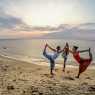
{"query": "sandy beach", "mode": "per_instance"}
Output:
(23, 78)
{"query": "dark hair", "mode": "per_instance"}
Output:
(75, 47)
(58, 47)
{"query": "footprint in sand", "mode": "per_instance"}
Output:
(10, 87)
(68, 78)
(91, 88)
(48, 75)
(88, 78)
(68, 72)
(56, 70)
(38, 68)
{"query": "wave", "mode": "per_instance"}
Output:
(43, 62)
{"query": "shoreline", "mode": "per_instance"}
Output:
(46, 63)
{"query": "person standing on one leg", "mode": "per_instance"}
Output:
(83, 62)
(51, 57)
(65, 55)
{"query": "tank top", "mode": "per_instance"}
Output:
(55, 55)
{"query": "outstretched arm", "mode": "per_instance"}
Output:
(51, 48)
(70, 51)
(81, 51)
(62, 50)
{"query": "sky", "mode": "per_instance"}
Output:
(46, 12)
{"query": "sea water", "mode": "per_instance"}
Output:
(31, 50)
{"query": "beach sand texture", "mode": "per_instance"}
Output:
(22, 78)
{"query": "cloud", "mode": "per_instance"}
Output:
(16, 14)
(9, 22)
(14, 27)
(12, 23)
(77, 32)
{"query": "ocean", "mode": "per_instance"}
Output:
(31, 50)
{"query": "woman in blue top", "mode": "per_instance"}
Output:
(51, 57)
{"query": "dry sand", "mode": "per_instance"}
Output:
(21, 78)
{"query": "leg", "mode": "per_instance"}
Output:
(48, 56)
(84, 64)
(44, 52)
(79, 72)
(78, 75)
(52, 63)
(65, 59)
(90, 54)
(52, 66)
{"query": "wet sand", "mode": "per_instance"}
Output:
(23, 78)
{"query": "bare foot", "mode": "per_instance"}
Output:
(63, 70)
(76, 76)
(52, 74)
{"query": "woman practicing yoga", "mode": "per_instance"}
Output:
(65, 55)
(51, 57)
(83, 63)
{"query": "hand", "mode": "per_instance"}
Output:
(46, 45)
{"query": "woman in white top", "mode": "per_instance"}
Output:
(51, 57)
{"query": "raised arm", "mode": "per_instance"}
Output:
(51, 48)
(70, 51)
(63, 49)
